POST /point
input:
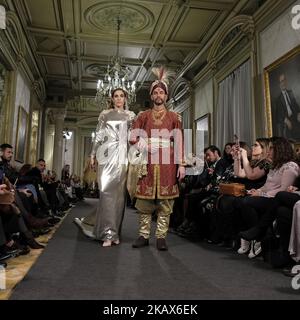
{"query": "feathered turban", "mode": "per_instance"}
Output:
(163, 75)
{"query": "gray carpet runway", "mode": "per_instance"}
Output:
(75, 267)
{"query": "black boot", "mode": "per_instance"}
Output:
(140, 242)
(28, 239)
(34, 244)
(161, 244)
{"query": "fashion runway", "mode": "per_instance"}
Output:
(75, 267)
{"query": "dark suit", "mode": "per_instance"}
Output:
(281, 112)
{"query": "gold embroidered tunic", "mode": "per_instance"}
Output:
(160, 181)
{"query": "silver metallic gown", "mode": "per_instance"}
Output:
(110, 147)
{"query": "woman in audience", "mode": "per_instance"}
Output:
(252, 173)
(227, 152)
(112, 169)
(287, 218)
(256, 211)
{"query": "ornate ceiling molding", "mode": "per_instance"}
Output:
(243, 23)
(135, 18)
(81, 104)
(15, 35)
(96, 69)
(180, 89)
(39, 87)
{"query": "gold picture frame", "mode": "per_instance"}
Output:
(284, 72)
(21, 135)
(202, 124)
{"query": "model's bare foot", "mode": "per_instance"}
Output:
(116, 242)
(107, 243)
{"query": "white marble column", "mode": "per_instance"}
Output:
(59, 117)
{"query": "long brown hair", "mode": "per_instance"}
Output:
(283, 152)
(25, 168)
(111, 105)
(264, 144)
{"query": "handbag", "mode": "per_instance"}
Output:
(233, 189)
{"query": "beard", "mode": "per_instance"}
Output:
(158, 101)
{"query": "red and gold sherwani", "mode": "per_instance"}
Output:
(160, 181)
(156, 191)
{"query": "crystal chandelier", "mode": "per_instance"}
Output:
(116, 76)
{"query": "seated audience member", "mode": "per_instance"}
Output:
(65, 176)
(227, 152)
(5, 162)
(5, 251)
(207, 182)
(286, 215)
(26, 183)
(252, 173)
(36, 176)
(76, 185)
(257, 211)
(195, 172)
(50, 186)
(12, 217)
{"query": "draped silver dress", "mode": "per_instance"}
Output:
(110, 147)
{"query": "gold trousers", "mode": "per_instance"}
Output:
(164, 209)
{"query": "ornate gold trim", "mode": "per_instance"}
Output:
(22, 116)
(268, 104)
(268, 112)
(156, 188)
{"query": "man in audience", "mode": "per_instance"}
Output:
(207, 182)
(6, 157)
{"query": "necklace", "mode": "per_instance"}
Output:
(158, 116)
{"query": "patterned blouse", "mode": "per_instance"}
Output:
(280, 179)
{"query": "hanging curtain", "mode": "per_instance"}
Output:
(186, 119)
(188, 137)
(234, 107)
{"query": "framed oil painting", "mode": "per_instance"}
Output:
(282, 92)
(21, 135)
